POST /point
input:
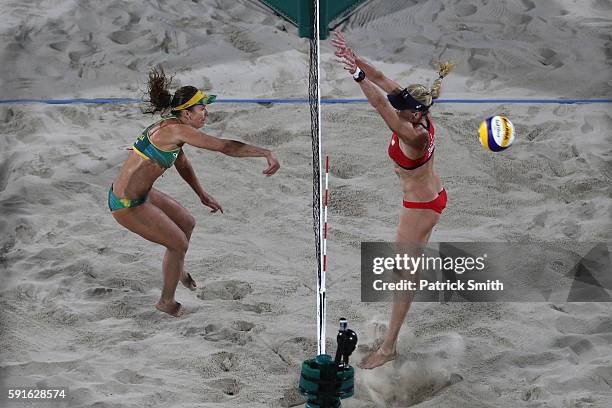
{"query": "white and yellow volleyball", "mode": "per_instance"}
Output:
(496, 133)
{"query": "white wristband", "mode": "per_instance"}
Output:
(357, 73)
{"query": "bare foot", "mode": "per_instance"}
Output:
(188, 282)
(173, 309)
(376, 359)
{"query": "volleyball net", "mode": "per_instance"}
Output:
(314, 100)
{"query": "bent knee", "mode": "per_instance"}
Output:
(180, 245)
(191, 222)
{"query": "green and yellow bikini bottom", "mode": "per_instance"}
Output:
(116, 203)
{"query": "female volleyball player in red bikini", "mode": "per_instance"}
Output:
(148, 212)
(406, 112)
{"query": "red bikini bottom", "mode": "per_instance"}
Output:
(437, 204)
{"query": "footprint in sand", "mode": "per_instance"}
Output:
(563, 110)
(228, 386)
(80, 50)
(213, 365)
(581, 346)
(241, 40)
(548, 57)
(225, 290)
(73, 187)
(215, 333)
(586, 127)
(119, 309)
(291, 398)
(259, 308)
(97, 292)
(535, 393)
(270, 137)
(347, 202)
(127, 284)
(58, 315)
(59, 45)
(347, 167)
(225, 361)
(243, 326)
(38, 167)
(76, 116)
(118, 16)
(127, 258)
(123, 37)
(24, 232)
(218, 117)
(294, 350)
(193, 331)
(129, 377)
(464, 10)
(477, 63)
(422, 385)
(80, 267)
(529, 5)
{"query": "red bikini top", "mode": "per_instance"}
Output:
(396, 154)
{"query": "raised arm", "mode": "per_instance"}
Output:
(404, 131)
(376, 76)
(232, 148)
(389, 115)
(372, 73)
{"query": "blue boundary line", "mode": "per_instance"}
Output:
(326, 101)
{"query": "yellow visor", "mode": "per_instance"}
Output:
(200, 98)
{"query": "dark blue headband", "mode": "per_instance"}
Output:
(403, 100)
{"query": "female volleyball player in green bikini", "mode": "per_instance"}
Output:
(406, 112)
(148, 212)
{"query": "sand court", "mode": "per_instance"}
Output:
(78, 290)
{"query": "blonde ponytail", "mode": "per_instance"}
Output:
(444, 68)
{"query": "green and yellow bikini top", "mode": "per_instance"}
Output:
(145, 148)
(166, 158)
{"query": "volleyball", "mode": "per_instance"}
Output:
(496, 133)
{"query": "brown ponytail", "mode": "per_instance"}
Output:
(160, 98)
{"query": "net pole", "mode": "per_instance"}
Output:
(322, 295)
(315, 117)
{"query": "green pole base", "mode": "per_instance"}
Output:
(323, 384)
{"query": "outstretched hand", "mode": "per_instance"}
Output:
(344, 52)
(273, 165)
(209, 201)
(338, 40)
